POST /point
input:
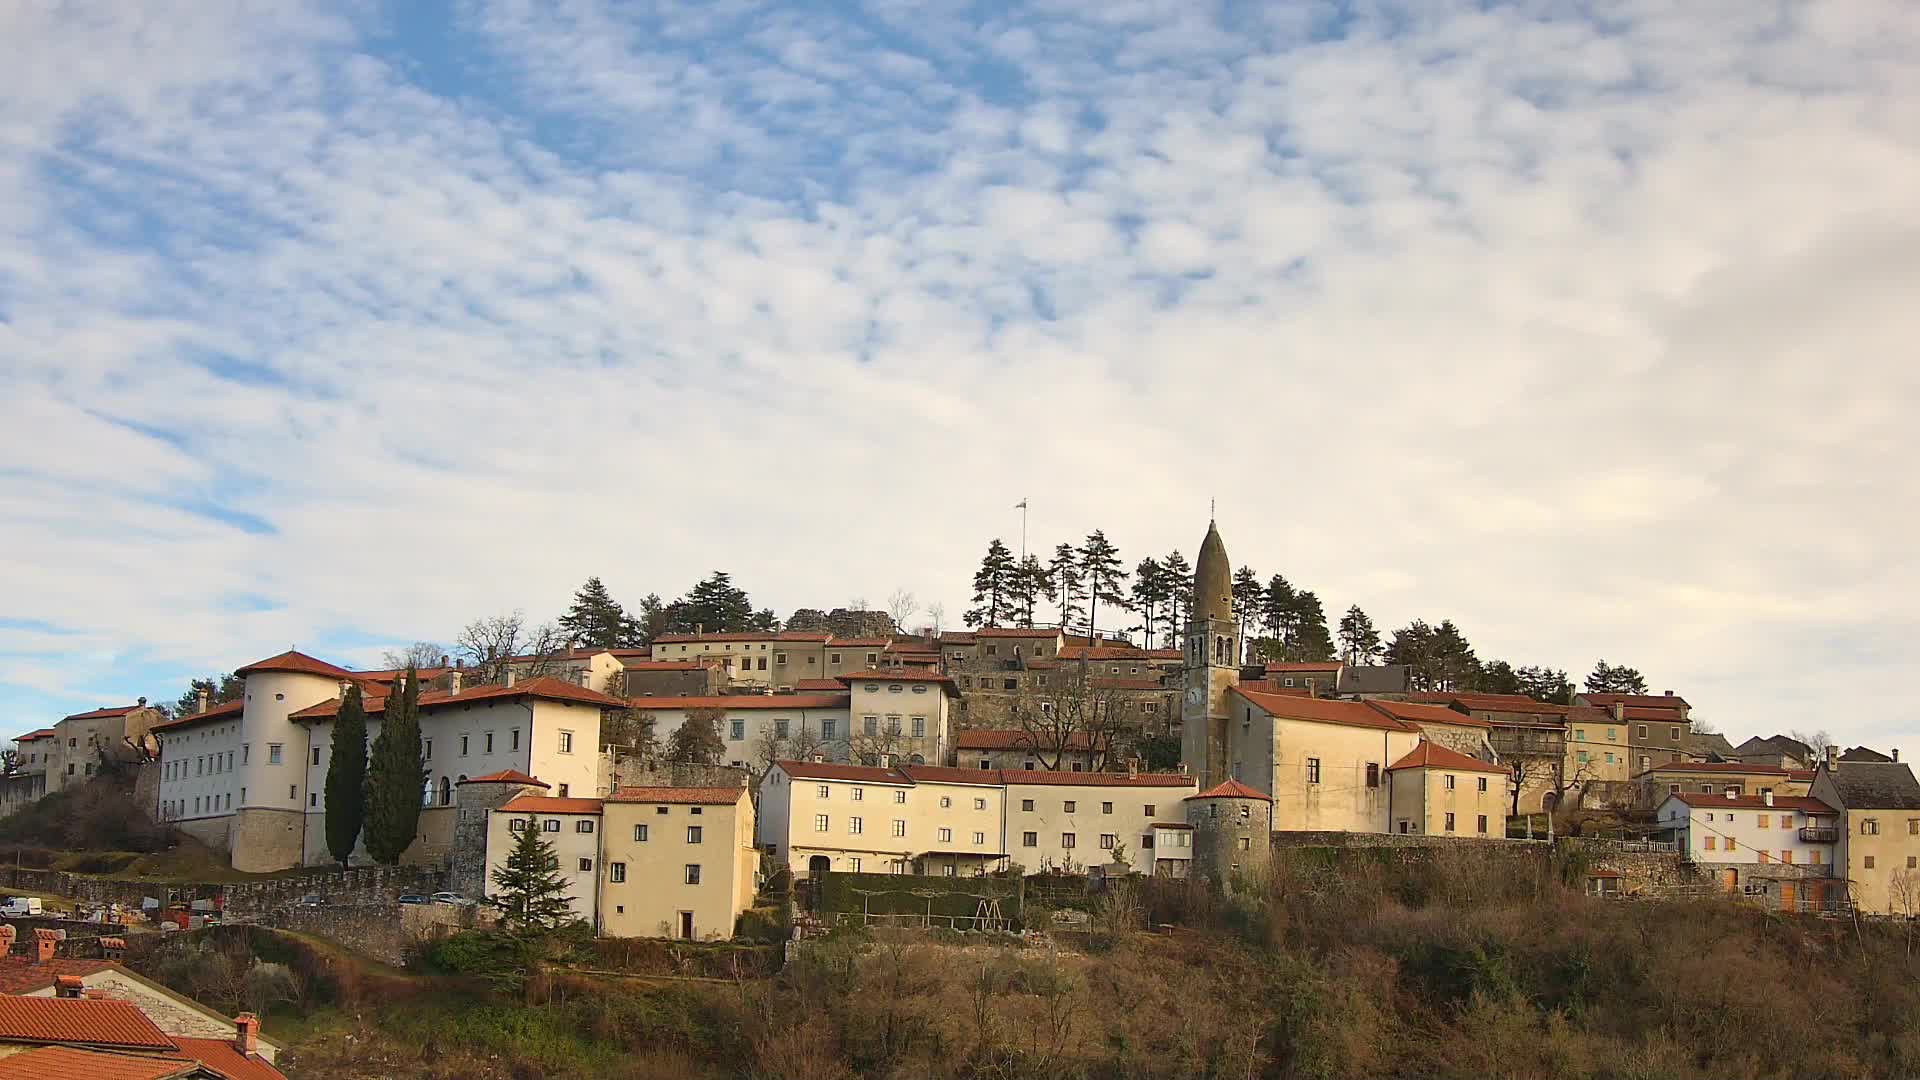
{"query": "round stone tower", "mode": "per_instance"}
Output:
(1232, 836)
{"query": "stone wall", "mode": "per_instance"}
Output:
(215, 832)
(236, 898)
(631, 772)
(1642, 873)
(1304, 839)
(385, 931)
(265, 840)
(467, 872)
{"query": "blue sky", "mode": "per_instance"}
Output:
(1587, 325)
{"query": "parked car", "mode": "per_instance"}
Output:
(22, 906)
(312, 899)
(454, 899)
(413, 898)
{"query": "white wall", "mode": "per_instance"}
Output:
(789, 809)
(271, 696)
(1097, 810)
(194, 765)
(1741, 825)
(569, 844)
(741, 749)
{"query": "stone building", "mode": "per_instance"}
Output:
(1232, 828)
(1878, 844)
(1213, 650)
(82, 741)
(671, 678)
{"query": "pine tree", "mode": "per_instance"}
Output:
(1027, 586)
(1179, 576)
(1456, 668)
(715, 605)
(1100, 562)
(1277, 613)
(220, 690)
(528, 888)
(1608, 679)
(1063, 573)
(697, 740)
(1311, 641)
(598, 621)
(1545, 684)
(1247, 595)
(1412, 645)
(347, 777)
(1359, 641)
(396, 776)
(991, 585)
(1498, 677)
(652, 620)
(1150, 594)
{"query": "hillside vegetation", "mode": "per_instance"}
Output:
(1348, 966)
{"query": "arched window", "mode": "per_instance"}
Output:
(918, 760)
(446, 791)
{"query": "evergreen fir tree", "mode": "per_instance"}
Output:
(1247, 596)
(1498, 677)
(1311, 640)
(1545, 684)
(1278, 614)
(1100, 562)
(1064, 575)
(992, 585)
(1179, 575)
(396, 776)
(598, 621)
(697, 740)
(347, 777)
(528, 888)
(1150, 594)
(715, 605)
(1028, 585)
(1609, 679)
(1359, 641)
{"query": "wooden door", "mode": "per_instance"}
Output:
(1729, 880)
(1788, 901)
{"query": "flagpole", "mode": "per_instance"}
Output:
(1023, 528)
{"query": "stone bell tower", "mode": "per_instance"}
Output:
(1212, 665)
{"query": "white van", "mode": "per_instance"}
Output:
(19, 906)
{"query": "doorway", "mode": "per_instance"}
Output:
(818, 865)
(686, 925)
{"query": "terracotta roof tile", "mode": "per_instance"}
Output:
(507, 776)
(1707, 800)
(104, 713)
(1322, 710)
(943, 774)
(1304, 665)
(1429, 755)
(687, 796)
(1467, 699)
(824, 686)
(32, 736)
(1734, 767)
(1015, 739)
(741, 702)
(542, 804)
(21, 976)
(89, 1021)
(1094, 779)
(828, 770)
(1652, 701)
(668, 665)
(296, 662)
(544, 687)
(1231, 789)
(1013, 632)
(222, 1057)
(1413, 712)
(226, 710)
(70, 1063)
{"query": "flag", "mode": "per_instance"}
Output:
(1021, 505)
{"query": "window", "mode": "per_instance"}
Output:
(899, 827)
(1313, 770)
(1913, 862)
(1675, 734)
(246, 751)
(693, 873)
(945, 836)
(778, 658)
(463, 745)
(893, 725)
(1373, 774)
(659, 810)
(857, 794)
(513, 739)
(1786, 857)
(1107, 841)
(1870, 827)
(313, 799)
(853, 865)
(426, 749)
(780, 728)
(855, 826)
(1913, 826)
(979, 838)
(693, 834)
(1482, 824)
(616, 872)
(833, 659)
(1611, 737)
(1483, 787)
(899, 796)
(1710, 843)
(1729, 845)
(823, 791)
(1866, 862)
(550, 825)
(586, 865)
(829, 729)
(1069, 805)
(1449, 781)
(1643, 732)
(640, 833)
(316, 755)
(566, 742)
(736, 729)
(273, 753)
(1066, 840)
(1026, 805)
(819, 823)
(1106, 808)
(919, 727)
(945, 801)
(489, 742)
(870, 725)
(1029, 839)
(583, 826)
(563, 791)
(1449, 822)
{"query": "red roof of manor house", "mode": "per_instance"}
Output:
(507, 776)
(72, 1063)
(668, 665)
(222, 711)
(1092, 779)
(104, 712)
(19, 975)
(1433, 756)
(1304, 665)
(295, 662)
(92, 1021)
(744, 635)
(1519, 703)
(907, 774)
(1321, 710)
(1016, 739)
(1231, 789)
(544, 687)
(1650, 701)
(740, 702)
(545, 804)
(1718, 767)
(1014, 632)
(1706, 800)
(694, 796)
(32, 736)
(1415, 713)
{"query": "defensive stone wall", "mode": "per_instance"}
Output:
(386, 931)
(1302, 839)
(358, 885)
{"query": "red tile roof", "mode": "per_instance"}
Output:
(828, 770)
(1102, 652)
(542, 804)
(668, 665)
(1735, 767)
(223, 711)
(1231, 789)
(739, 702)
(685, 796)
(425, 674)
(545, 687)
(1434, 756)
(860, 642)
(222, 1057)
(69, 1063)
(1664, 716)
(1416, 713)
(104, 713)
(32, 736)
(296, 662)
(1015, 739)
(83, 1021)
(1707, 800)
(1652, 701)
(1014, 632)
(1165, 654)
(1467, 699)
(19, 975)
(942, 774)
(1304, 665)
(754, 635)
(827, 686)
(1270, 686)
(507, 776)
(1093, 779)
(1322, 710)
(1802, 774)
(947, 685)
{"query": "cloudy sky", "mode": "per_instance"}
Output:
(1588, 325)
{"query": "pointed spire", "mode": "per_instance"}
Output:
(1213, 579)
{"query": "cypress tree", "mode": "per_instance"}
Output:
(347, 777)
(396, 775)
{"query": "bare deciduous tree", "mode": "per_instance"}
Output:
(420, 654)
(936, 613)
(489, 644)
(900, 607)
(1066, 715)
(1818, 740)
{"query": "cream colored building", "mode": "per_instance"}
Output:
(1437, 791)
(1070, 821)
(676, 862)
(1324, 762)
(80, 741)
(904, 713)
(1596, 747)
(747, 720)
(776, 661)
(1878, 843)
(571, 826)
(595, 669)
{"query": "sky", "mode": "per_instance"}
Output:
(1590, 326)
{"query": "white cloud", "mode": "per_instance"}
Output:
(1594, 337)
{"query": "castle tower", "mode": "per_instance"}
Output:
(1212, 664)
(1232, 835)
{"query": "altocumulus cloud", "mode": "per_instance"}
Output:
(1587, 325)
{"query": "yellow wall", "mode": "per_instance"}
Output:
(1422, 800)
(649, 902)
(1591, 738)
(1273, 755)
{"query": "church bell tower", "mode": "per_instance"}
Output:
(1212, 665)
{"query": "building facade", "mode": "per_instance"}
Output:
(1213, 650)
(1877, 850)
(1322, 761)
(1437, 791)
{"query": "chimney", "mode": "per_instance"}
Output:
(1133, 768)
(1669, 693)
(509, 676)
(7, 937)
(44, 943)
(1833, 756)
(203, 699)
(445, 660)
(453, 680)
(1767, 796)
(142, 702)
(246, 1033)
(1733, 793)
(1619, 712)
(68, 986)
(1896, 753)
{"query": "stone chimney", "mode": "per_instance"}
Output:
(68, 986)
(246, 1033)
(1767, 796)
(44, 944)
(1896, 753)
(142, 702)
(1619, 712)
(510, 675)
(1133, 768)
(1833, 756)
(8, 935)
(1733, 793)
(454, 680)
(203, 699)
(445, 660)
